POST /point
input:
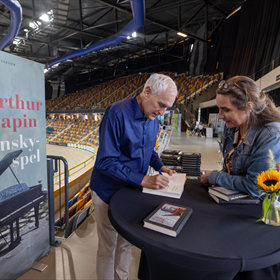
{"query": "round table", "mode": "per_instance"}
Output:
(217, 241)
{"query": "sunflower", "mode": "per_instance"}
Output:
(269, 181)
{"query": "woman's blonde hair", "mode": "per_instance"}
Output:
(242, 89)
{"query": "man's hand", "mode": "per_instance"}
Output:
(170, 172)
(156, 182)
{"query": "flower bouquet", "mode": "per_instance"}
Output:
(269, 183)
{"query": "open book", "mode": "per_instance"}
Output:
(175, 187)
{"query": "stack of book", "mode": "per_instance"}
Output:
(172, 160)
(176, 164)
(191, 163)
(222, 195)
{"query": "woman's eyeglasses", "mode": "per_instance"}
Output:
(228, 84)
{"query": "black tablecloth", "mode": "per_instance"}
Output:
(217, 241)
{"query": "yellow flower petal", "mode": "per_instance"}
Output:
(265, 177)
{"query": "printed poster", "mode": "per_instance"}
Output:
(175, 122)
(24, 226)
(212, 122)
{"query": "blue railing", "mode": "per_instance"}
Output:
(139, 15)
(16, 14)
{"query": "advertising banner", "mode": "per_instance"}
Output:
(24, 226)
(212, 122)
(175, 122)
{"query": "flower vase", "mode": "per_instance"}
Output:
(271, 217)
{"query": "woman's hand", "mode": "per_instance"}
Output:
(205, 178)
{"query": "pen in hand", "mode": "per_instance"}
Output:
(162, 175)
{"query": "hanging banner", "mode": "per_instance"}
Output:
(175, 122)
(212, 122)
(179, 123)
(24, 225)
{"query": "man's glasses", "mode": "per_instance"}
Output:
(228, 84)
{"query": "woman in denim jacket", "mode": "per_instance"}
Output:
(252, 128)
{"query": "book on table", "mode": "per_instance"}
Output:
(174, 189)
(226, 194)
(168, 218)
(244, 200)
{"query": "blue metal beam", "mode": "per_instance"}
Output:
(16, 14)
(139, 14)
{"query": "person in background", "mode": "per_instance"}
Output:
(127, 137)
(192, 126)
(252, 128)
(199, 129)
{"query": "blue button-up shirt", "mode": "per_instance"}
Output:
(126, 149)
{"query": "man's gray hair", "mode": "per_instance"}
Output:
(159, 83)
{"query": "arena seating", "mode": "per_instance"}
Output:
(80, 207)
(85, 132)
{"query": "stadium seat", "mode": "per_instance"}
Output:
(81, 217)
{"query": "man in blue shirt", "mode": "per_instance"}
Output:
(127, 137)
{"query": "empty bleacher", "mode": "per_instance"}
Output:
(80, 207)
(85, 132)
(73, 131)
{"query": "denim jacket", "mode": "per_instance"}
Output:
(249, 159)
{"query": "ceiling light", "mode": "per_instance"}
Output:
(32, 25)
(45, 17)
(239, 8)
(182, 34)
(128, 37)
(134, 34)
(16, 41)
(25, 30)
(46, 70)
(191, 47)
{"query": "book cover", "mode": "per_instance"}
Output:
(176, 168)
(170, 157)
(226, 194)
(185, 154)
(174, 189)
(172, 152)
(244, 200)
(167, 162)
(168, 218)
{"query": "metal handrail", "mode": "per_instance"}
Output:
(53, 164)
